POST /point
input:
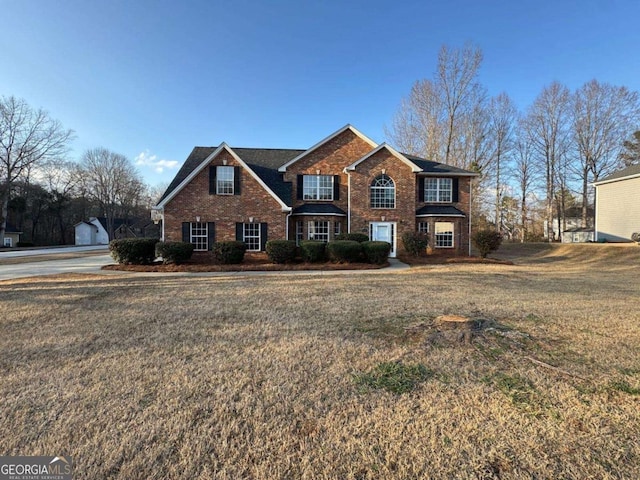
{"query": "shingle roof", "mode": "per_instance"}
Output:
(429, 166)
(439, 211)
(318, 209)
(263, 161)
(266, 161)
(619, 175)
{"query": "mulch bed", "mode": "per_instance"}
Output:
(252, 263)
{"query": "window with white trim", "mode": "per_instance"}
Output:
(383, 192)
(319, 230)
(251, 236)
(423, 227)
(299, 231)
(317, 187)
(337, 228)
(199, 235)
(224, 180)
(444, 234)
(8, 242)
(438, 190)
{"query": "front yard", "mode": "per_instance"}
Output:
(258, 376)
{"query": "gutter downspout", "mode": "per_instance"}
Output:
(470, 193)
(348, 200)
(286, 225)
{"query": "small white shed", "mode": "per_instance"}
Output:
(91, 233)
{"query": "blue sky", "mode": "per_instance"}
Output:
(152, 79)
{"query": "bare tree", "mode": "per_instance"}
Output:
(438, 120)
(525, 175)
(547, 126)
(602, 114)
(457, 80)
(27, 137)
(630, 154)
(113, 182)
(503, 116)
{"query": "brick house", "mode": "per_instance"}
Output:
(344, 183)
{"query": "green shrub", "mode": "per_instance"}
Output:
(376, 252)
(174, 252)
(281, 251)
(486, 241)
(26, 244)
(313, 250)
(229, 252)
(356, 237)
(348, 251)
(136, 251)
(415, 243)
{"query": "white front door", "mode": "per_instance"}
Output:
(384, 232)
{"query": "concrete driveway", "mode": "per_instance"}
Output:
(25, 268)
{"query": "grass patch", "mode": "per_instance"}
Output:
(394, 377)
(624, 386)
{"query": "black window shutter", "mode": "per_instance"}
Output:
(186, 232)
(211, 235)
(263, 236)
(454, 193)
(336, 187)
(236, 180)
(212, 180)
(421, 189)
(240, 232)
(299, 187)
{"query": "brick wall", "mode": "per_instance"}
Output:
(405, 212)
(225, 210)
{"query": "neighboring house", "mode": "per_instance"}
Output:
(618, 205)
(11, 236)
(95, 232)
(138, 228)
(344, 183)
(572, 230)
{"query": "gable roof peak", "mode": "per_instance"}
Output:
(348, 126)
(414, 168)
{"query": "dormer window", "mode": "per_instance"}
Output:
(317, 187)
(438, 190)
(224, 180)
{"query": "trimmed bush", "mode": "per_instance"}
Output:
(229, 252)
(356, 237)
(348, 251)
(133, 251)
(415, 243)
(281, 251)
(376, 252)
(313, 250)
(174, 252)
(486, 241)
(26, 244)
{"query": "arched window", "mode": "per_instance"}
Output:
(383, 192)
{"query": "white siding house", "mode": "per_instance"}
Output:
(618, 205)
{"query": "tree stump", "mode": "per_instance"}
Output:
(457, 327)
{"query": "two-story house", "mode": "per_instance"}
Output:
(344, 183)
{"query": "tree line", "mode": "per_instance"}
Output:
(542, 159)
(44, 194)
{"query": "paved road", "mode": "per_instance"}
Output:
(84, 264)
(11, 253)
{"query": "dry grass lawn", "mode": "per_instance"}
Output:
(254, 377)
